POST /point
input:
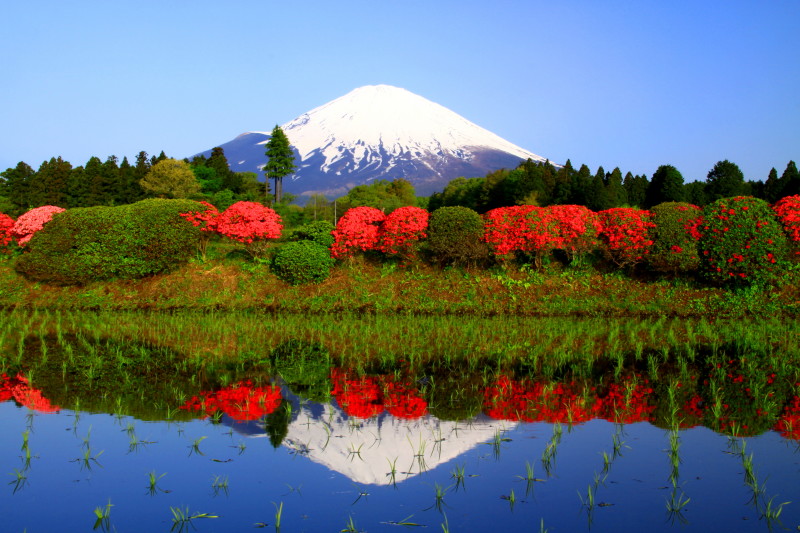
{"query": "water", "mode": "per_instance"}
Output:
(331, 468)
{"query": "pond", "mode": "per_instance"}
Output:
(181, 422)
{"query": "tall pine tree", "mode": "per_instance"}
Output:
(280, 160)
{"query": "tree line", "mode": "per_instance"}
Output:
(543, 184)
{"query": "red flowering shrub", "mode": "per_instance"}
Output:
(248, 222)
(626, 234)
(32, 221)
(6, 223)
(742, 241)
(625, 402)
(207, 221)
(241, 401)
(576, 229)
(788, 211)
(403, 401)
(675, 237)
(522, 228)
(21, 392)
(402, 230)
(356, 231)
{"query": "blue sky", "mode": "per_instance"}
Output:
(628, 84)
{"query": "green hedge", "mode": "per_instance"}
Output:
(302, 262)
(95, 243)
(455, 236)
(675, 237)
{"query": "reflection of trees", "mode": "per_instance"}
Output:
(305, 367)
(276, 424)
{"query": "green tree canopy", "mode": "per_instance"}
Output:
(171, 178)
(666, 186)
(725, 180)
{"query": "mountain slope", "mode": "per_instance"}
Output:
(380, 132)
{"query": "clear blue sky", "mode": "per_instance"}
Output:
(628, 84)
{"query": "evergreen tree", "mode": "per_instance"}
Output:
(50, 184)
(725, 180)
(773, 187)
(597, 199)
(635, 189)
(581, 183)
(790, 180)
(77, 188)
(280, 160)
(16, 185)
(666, 186)
(563, 188)
(615, 192)
(695, 192)
(128, 190)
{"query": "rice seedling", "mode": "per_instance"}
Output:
(20, 480)
(675, 506)
(182, 518)
(511, 499)
(152, 483)
(194, 448)
(457, 474)
(350, 527)
(392, 471)
(219, 483)
(103, 517)
(278, 515)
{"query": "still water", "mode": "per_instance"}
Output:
(532, 456)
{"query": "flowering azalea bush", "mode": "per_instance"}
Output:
(19, 389)
(402, 230)
(788, 424)
(520, 229)
(742, 241)
(534, 401)
(6, 224)
(241, 401)
(675, 237)
(32, 221)
(248, 222)
(207, 220)
(788, 211)
(576, 229)
(626, 234)
(357, 231)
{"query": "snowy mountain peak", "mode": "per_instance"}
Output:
(380, 132)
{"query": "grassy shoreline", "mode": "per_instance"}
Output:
(363, 287)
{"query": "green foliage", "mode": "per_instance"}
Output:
(305, 367)
(725, 180)
(171, 178)
(674, 244)
(742, 241)
(318, 232)
(666, 186)
(455, 235)
(380, 194)
(301, 262)
(96, 243)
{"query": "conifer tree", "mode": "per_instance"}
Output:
(280, 160)
(772, 187)
(790, 181)
(615, 193)
(16, 185)
(666, 186)
(725, 180)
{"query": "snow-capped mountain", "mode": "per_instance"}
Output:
(379, 132)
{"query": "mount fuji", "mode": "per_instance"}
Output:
(379, 132)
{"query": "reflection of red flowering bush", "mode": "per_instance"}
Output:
(32, 221)
(240, 401)
(626, 234)
(6, 223)
(20, 390)
(626, 402)
(368, 396)
(402, 229)
(788, 424)
(356, 231)
(249, 221)
(533, 401)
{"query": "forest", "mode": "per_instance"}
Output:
(114, 182)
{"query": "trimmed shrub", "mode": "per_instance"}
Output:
(318, 231)
(357, 231)
(455, 236)
(33, 221)
(519, 228)
(742, 241)
(576, 229)
(302, 262)
(675, 237)
(248, 222)
(788, 211)
(626, 234)
(94, 243)
(402, 230)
